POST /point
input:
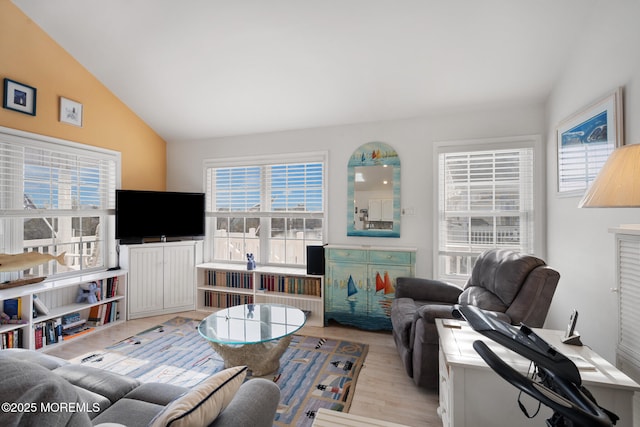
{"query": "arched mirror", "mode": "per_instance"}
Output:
(374, 191)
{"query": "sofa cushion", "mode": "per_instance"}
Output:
(160, 394)
(129, 412)
(108, 384)
(45, 360)
(36, 391)
(201, 405)
(97, 402)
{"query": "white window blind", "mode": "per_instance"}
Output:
(271, 207)
(486, 200)
(56, 196)
(294, 187)
(628, 351)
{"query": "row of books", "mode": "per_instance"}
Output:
(220, 300)
(230, 279)
(268, 282)
(11, 339)
(291, 284)
(48, 332)
(107, 288)
(59, 329)
(103, 314)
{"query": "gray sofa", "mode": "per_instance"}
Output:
(516, 288)
(38, 389)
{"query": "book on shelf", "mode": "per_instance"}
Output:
(224, 300)
(230, 279)
(79, 333)
(37, 333)
(112, 287)
(39, 305)
(291, 284)
(13, 308)
(70, 318)
(96, 315)
(11, 339)
(72, 325)
(103, 314)
(75, 330)
(48, 332)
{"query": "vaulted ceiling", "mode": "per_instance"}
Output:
(196, 69)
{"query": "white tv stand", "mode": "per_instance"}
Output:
(161, 276)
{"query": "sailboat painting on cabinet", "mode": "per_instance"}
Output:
(352, 290)
(386, 291)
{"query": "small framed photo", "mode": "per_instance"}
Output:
(70, 112)
(19, 97)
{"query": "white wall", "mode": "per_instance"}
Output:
(412, 139)
(579, 244)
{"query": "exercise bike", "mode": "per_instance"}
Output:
(555, 382)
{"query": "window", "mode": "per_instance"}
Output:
(485, 200)
(271, 207)
(56, 196)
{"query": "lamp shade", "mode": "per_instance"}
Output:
(618, 182)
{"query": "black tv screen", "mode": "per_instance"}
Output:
(158, 214)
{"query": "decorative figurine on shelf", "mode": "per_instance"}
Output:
(250, 308)
(10, 263)
(26, 260)
(251, 262)
(88, 292)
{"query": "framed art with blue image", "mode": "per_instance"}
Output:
(585, 140)
(19, 97)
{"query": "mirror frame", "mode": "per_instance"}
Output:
(373, 154)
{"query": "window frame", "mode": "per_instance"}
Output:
(538, 216)
(261, 161)
(13, 241)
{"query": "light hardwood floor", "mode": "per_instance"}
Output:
(383, 391)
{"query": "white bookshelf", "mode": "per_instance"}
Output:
(222, 285)
(59, 296)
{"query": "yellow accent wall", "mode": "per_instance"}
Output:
(28, 55)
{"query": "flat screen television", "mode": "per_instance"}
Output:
(147, 215)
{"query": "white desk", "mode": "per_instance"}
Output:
(472, 394)
(328, 418)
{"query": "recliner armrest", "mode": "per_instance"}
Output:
(427, 290)
(430, 312)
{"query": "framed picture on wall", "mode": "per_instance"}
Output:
(19, 97)
(585, 140)
(70, 112)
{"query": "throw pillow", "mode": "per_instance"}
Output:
(201, 405)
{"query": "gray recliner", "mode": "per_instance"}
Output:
(517, 288)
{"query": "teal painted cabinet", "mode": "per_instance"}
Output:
(360, 284)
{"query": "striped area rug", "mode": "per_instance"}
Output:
(314, 372)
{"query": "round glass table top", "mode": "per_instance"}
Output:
(251, 323)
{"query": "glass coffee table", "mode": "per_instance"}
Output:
(255, 335)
